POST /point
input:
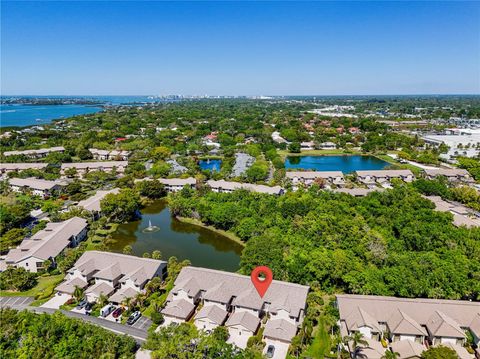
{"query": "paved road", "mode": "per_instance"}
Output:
(138, 331)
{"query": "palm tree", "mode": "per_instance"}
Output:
(102, 300)
(78, 293)
(357, 340)
(390, 354)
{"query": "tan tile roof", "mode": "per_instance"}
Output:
(222, 286)
(441, 325)
(69, 286)
(385, 173)
(112, 264)
(95, 165)
(408, 349)
(475, 325)
(48, 242)
(381, 308)
(232, 186)
(92, 203)
(280, 329)
(34, 183)
(358, 318)
(447, 172)
(373, 350)
(180, 308)
(190, 181)
(212, 312)
(244, 319)
(313, 174)
(120, 295)
(401, 323)
(100, 288)
(21, 166)
(34, 152)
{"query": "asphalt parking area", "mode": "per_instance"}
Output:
(15, 302)
(142, 323)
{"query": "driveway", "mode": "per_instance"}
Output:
(281, 349)
(15, 302)
(56, 301)
(238, 340)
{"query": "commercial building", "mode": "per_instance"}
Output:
(410, 325)
(47, 244)
(115, 275)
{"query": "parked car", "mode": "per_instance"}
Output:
(117, 312)
(106, 310)
(89, 306)
(81, 304)
(270, 351)
(134, 317)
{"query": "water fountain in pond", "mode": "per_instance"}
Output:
(151, 228)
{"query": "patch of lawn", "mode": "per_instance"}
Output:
(42, 290)
(320, 347)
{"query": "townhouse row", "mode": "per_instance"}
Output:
(410, 326)
(214, 298)
(82, 168)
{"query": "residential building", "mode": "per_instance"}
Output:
(462, 215)
(307, 146)
(85, 167)
(35, 186)
(109, 155)
(228, 187)
(411, 325)
(327, 146)
(47, 244)
(277, 138)
(242, 163)
(177, 184)
(40, 153)
(115, 275)
(373, 177)
(237, 301)
(307, 178)
(452, 174)
(92, 203)
(16, 167)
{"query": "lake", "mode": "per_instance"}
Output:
(203, 247)
(346, 164)
(210, 165)
(27, 115)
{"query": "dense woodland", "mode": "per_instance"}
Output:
(390, 243)
(33, 336)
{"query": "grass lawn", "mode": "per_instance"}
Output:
(416, 170)
(44, 287)
(320, 347)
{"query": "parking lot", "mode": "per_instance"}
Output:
(143, 323)
(15, 302)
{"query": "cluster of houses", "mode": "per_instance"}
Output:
(46, 245)
(407, 326)
(117, 276)
(214, 298)
(82, 168)
(373, 178)
(109, 155)
(35, 186)
(35, 154)
(462, 215)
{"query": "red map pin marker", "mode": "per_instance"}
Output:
(261, 285)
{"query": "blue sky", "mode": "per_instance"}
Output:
(234, 48)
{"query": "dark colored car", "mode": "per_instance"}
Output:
(270, 351)
(134, 317)
(88, 307)
(82, 304)
(117, 312)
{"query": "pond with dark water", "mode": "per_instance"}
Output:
(203, 247)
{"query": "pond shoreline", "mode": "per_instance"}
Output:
(199, 223)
